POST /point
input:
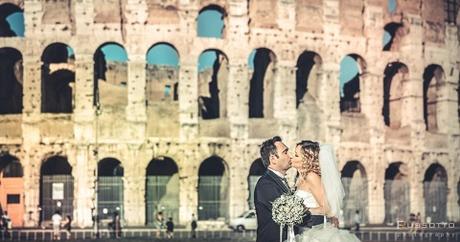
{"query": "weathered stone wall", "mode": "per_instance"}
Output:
(135, 133)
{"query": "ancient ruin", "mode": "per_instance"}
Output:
(185, 140)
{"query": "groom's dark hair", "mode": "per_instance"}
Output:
(268, 148)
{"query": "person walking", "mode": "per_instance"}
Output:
(357, 220)
(170, 228)
(194, 225)
(56, 220)
(68, 226)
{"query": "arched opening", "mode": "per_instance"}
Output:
(58, 79)
(433, 77)
(435, 193)
(213, 184)
(354, 179)
(111, 77)
(210, 22)
(255, 172)
(392, 36)
(396, 193)
(56, 188)
(162, 189)
(351, 69)
(262, 64)
(11, 20)
(212, 84)
(12, 189)
(162, 73)
(307, 83)
(11, 84)
(392, 6)
(394, 75)
(110, 188)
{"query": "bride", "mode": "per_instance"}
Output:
(320, 187)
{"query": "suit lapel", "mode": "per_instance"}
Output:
(277, 180)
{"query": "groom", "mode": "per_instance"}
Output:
(271, 185)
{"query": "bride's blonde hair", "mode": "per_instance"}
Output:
(310, 157)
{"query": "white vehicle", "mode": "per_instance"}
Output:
(246, 221)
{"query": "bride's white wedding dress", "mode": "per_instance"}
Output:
(322, 232)
(333, 188)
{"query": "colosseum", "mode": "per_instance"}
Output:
(86, 134)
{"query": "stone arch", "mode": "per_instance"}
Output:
(57, 78)
(262, 65)
(56, 187)
(208, 24)
(433, 78)
(212, 84)
(393, 35)
(256, 171)
(12, 188)
(393, 91)
(351, 85)
(162, 73)
(110, 188)
(435, 193)
(8, 10)
(213, 190)
(307, 80)
(162, 189)
(111, 76)
(396, 192)
(355, 181)
(11, 81)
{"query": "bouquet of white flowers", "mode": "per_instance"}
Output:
(288, 210)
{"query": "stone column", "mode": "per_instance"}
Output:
(31, 165)
(136, 108)
(83, 173)
(447, 104)
(238, 94)
(133, 188)
(376, 192)
(84, 111)
(188, 101)
(284, 101)
(329, 100)
(412, 103)
(239, 171)
(188, 186)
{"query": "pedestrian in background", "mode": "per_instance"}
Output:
(170, 228)
(357, 220)
(193, 225)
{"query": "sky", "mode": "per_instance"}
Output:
(210, 24)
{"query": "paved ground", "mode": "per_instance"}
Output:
(373, 234)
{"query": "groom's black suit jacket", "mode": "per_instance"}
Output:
(268, 188)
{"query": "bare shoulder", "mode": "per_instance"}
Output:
(312, 178)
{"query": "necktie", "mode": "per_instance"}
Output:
(285, 182)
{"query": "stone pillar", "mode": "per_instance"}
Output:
(188, 101)
(31, 165)
(84, 111)
(329, 99)
(284, 101)
(286, 18)
(238, 94)
(376, 192)
(31, 101)
(133, 188)
(239, 171)
(412, 103)
(84, 17)
(416, 185)
(447, 104)
(188, 186)
(83, 173)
